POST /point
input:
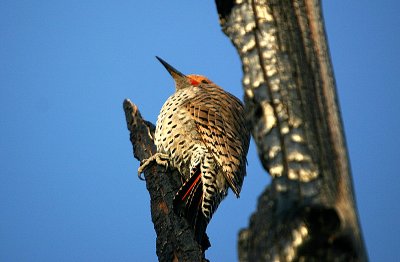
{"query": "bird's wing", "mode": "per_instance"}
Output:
(219, 117)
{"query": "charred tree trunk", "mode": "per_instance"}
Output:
(175, 241)
(308, 213)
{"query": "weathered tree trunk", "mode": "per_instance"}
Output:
(175, 241)
(308, 213)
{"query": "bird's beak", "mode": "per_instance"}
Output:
(176, 75)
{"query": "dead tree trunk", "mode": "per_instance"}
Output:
(175, 241)
(308, 213)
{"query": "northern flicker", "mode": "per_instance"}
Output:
(201, 132)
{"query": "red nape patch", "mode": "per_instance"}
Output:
(194, 82)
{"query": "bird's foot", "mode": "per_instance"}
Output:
(159, 158)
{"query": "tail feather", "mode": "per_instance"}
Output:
(188, 202)
(193, 204)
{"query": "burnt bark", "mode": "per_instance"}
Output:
(175, 241)
(308, 213)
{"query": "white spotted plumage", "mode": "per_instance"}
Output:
(201, 131)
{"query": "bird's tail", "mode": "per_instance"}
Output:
(188, 202)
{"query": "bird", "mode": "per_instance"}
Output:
(201, 131)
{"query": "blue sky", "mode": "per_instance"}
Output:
(68, 185)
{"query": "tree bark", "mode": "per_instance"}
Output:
(308, 213)
(175, 241)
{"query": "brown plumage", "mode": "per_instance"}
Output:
(201, 132)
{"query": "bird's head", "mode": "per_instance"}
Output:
(183, 81)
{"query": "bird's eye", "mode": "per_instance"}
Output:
(204, 81)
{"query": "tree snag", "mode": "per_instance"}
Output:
(308, 213)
